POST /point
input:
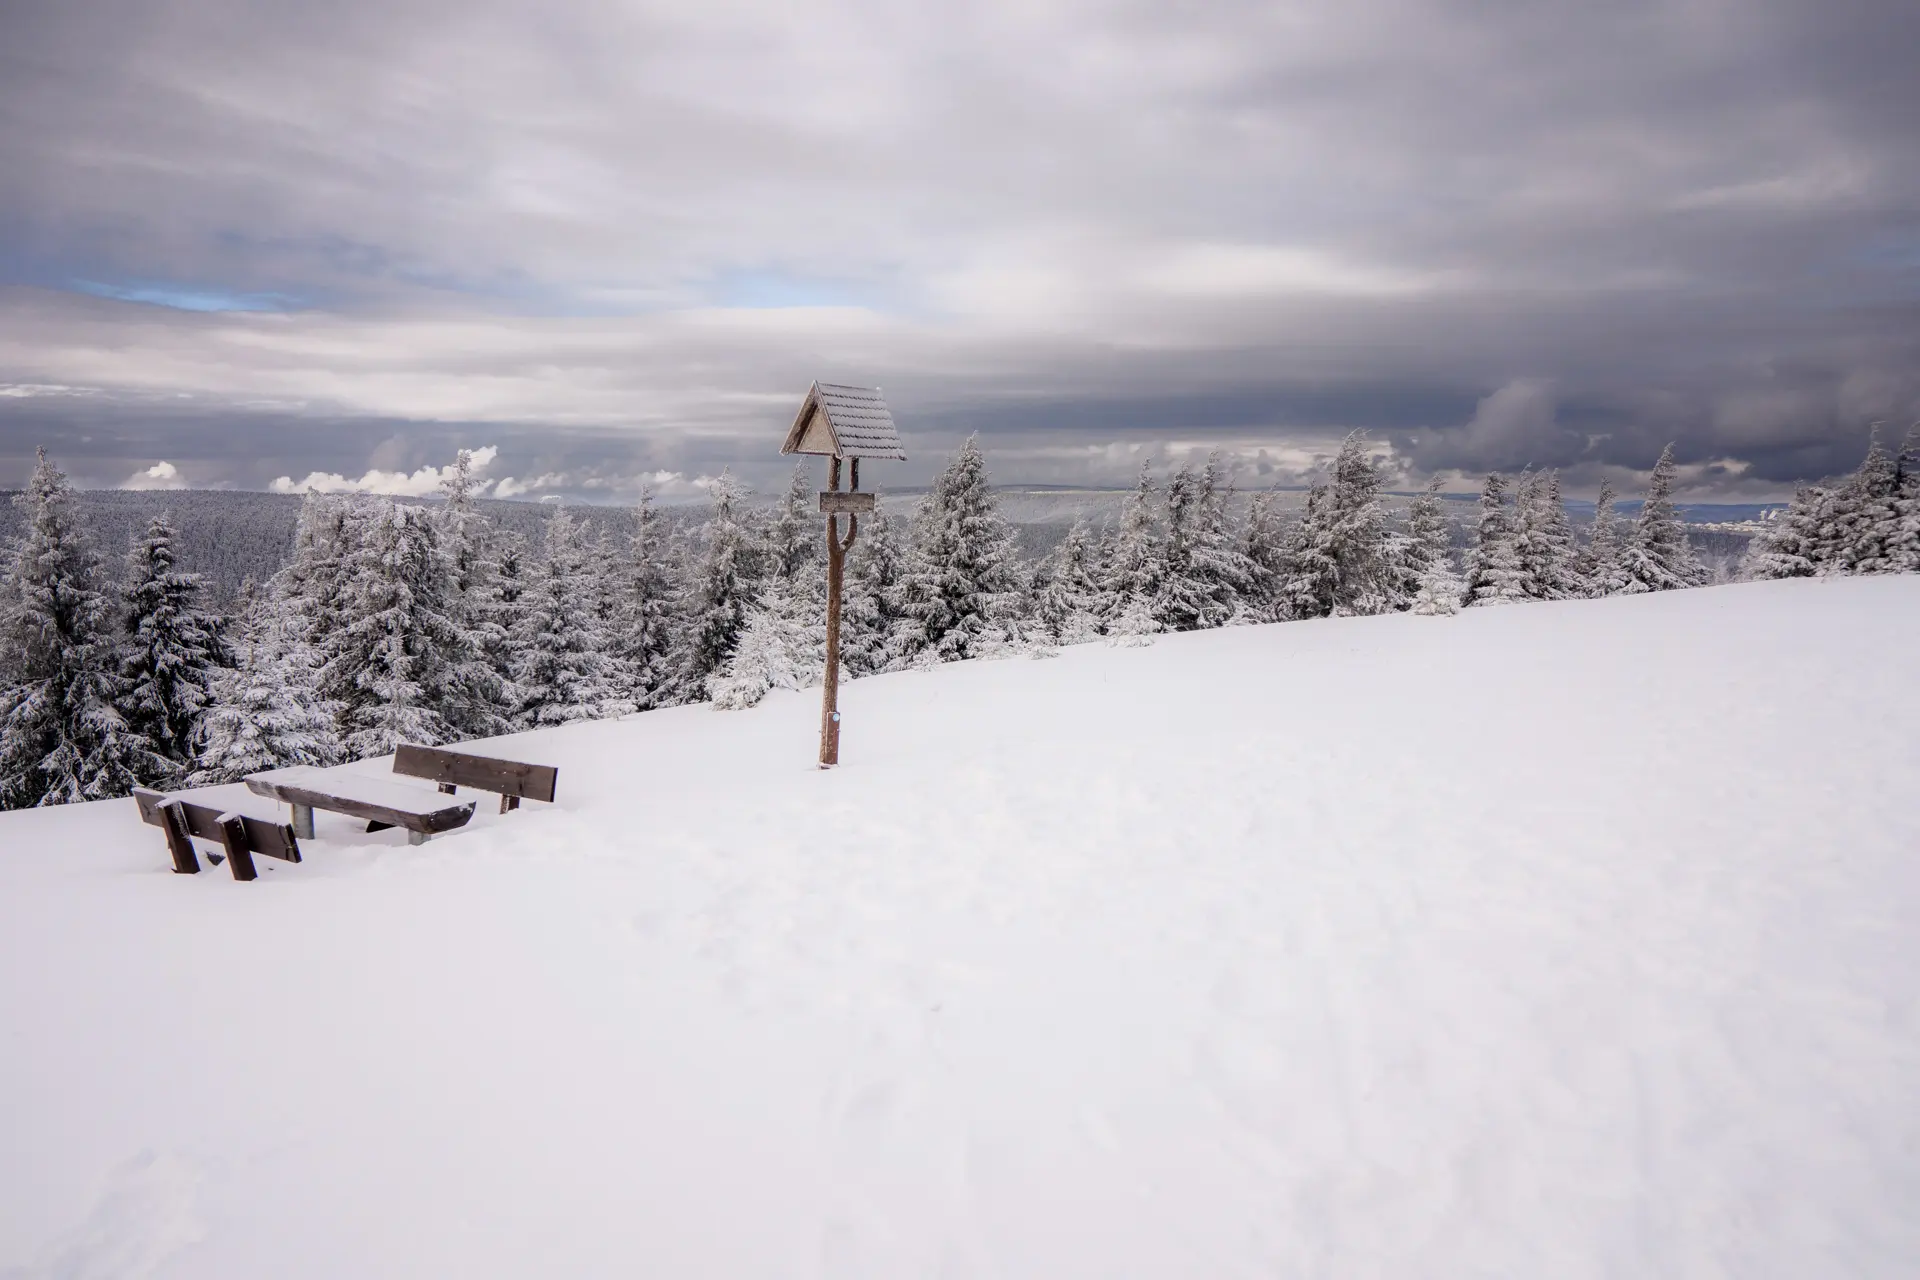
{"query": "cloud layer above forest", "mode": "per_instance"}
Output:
(262, 240)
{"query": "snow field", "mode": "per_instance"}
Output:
(1574, 939)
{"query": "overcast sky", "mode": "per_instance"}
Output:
(248, 240)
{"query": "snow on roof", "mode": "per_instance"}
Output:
(844, 422)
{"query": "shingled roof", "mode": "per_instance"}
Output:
(844, 422)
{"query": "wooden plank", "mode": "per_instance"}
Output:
(179, 843)
(233, 834)
(482, 773)
(362, 797)
(270, 839)
(845, 504)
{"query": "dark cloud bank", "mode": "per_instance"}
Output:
(262, 240)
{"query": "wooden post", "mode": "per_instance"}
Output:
(233, 834)
(179, 844)
(830, 682)
(303, 821)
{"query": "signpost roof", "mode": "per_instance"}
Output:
(844, 422)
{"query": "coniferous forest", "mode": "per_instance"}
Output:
(395, 621)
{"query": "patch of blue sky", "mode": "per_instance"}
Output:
(184, 297)
(764, 290)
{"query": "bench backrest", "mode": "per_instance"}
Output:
(272, 839)
(483, 773)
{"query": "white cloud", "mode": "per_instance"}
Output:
(398, 484)
(161, 475)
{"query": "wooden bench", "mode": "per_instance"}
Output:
(514, 781)
(306, 788)
(240, 835)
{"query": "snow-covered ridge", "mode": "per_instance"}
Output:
(1570, 940)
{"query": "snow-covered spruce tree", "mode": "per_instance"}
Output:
(1069, 599)
(1493, 574)
(962, 576)
(1904, 542)
(1658, 556)
(793, 536)
(761, 661)
(567, 670)
(505, 604)
(1184, 602)
(871, 616)
(795, 589)
(1598, 569)
(62, 739)
(487, 697)
(1309, 575)
(1205, 575)
(649, 612)
(1866, 515)
(311, 587)
(1789, 546)
(171, 650)
(466, 529)
(1339, 561)
(1263, 542)
(264, 714)
(1135, 562)
(1437, 588)
(720, 593)
(401, 668)
(1545, 541)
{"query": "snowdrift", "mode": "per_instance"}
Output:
(1556, 940)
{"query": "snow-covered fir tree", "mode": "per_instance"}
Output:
(171, 651)
(871, 616)
(1658, 556)
(311, 587)
(1263, 544)
(488, 697)
(1339, 559)
(264, 714)
(1904, 541)
(1437, 587)
(567, 669)
(795, 587)
(401, 669)
(1494, 575)
(62, 738)
(1789, 546)
(761, 661)
(963, 571)
(721, 592)
(648, 614)
(1598, 570)
(1135, 561)
(1543, 538)
(1069, 598)
(1866, 516)
(1204, 574)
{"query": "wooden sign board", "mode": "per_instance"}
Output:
(835, 503)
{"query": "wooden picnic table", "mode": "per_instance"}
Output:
(346, 790)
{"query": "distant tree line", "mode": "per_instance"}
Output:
(394, 621)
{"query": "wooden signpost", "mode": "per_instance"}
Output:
(841, 422)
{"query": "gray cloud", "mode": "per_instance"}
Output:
(265, 239)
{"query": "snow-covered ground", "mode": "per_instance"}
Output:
(1559, 940)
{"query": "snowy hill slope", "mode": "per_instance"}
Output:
(1560, 940)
